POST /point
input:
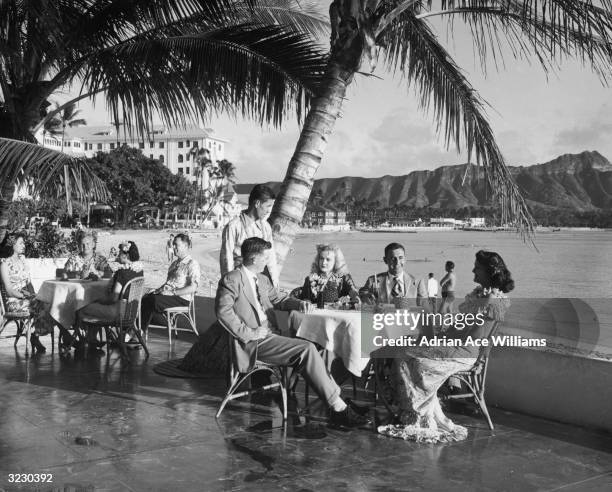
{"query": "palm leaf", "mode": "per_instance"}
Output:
(413, 49)
(260, 72)
(547, 30)
(41, 171)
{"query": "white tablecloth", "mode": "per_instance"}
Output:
(336, 331)
(66, 296)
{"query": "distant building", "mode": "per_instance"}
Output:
(476, 222)
(225, 209)
(172, 146)
(442, 222)
(319, 216)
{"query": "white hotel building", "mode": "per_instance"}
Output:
(172, 146)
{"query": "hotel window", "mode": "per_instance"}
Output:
(161, 158)
(112, 146)
(141, 145)
(187, 157)
(180, 170)
(180, 145)
(161, 145)
(180, 158)
(187, 144)
(151, 145)
(99, 146)
(187, 170)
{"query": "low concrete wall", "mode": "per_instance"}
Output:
(565, 388)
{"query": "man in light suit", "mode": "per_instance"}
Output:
(395, 282)
(245, 305)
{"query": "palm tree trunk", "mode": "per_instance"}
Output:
(66, 179)
(7, 190)
(295, 190)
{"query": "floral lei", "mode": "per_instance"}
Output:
(318, 282)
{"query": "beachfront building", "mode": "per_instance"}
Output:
(327, 218)
(476, 222)
(172, 146)
(442, 222)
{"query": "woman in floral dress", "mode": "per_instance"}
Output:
(88, 263)
(329, 279)
(18, 292)
(418, 372)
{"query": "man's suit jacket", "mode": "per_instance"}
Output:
(412, 287)
(236, 310)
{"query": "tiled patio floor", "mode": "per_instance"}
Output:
(151, 432)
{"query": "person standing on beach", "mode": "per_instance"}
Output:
(447, 284)
(251, 222)
(432, 291)
(170, 248)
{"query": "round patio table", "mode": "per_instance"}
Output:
(66, 296)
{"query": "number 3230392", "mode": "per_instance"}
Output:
(30, 477)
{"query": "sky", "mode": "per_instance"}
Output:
(535, 118)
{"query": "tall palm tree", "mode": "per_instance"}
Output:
(182, 59)
(67, 117)
(401, 34)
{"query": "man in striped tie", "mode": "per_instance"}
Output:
(387, 286)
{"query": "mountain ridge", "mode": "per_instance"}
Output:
(581, 182)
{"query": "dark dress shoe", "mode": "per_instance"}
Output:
(359, 409)
(348, 418)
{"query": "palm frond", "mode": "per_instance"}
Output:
(546, 30)
(301, 15)
(258, 71)
(413, 49)
(41, 170)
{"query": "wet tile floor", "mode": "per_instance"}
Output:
(102, 424)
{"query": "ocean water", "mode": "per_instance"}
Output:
(565, 264)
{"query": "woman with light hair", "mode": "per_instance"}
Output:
(87, 263)
(329, 279)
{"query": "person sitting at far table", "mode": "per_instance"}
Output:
(109, 308)
(87, 263)
(181, 284)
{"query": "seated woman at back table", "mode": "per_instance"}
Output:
(109, 308)
(87, 263)
(17, 285)
(416, 373)
(181, 284)
(329, 279)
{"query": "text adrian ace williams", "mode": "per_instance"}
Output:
(389, 330)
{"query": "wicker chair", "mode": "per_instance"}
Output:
(128, 321)
(236, 379)
(22, 320)
(475, 378)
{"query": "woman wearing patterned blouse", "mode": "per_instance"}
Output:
(329, 279)
(87, 263)
(18, 291)
(181, 283)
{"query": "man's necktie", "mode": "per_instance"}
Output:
(257, 292)
(396, 291)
